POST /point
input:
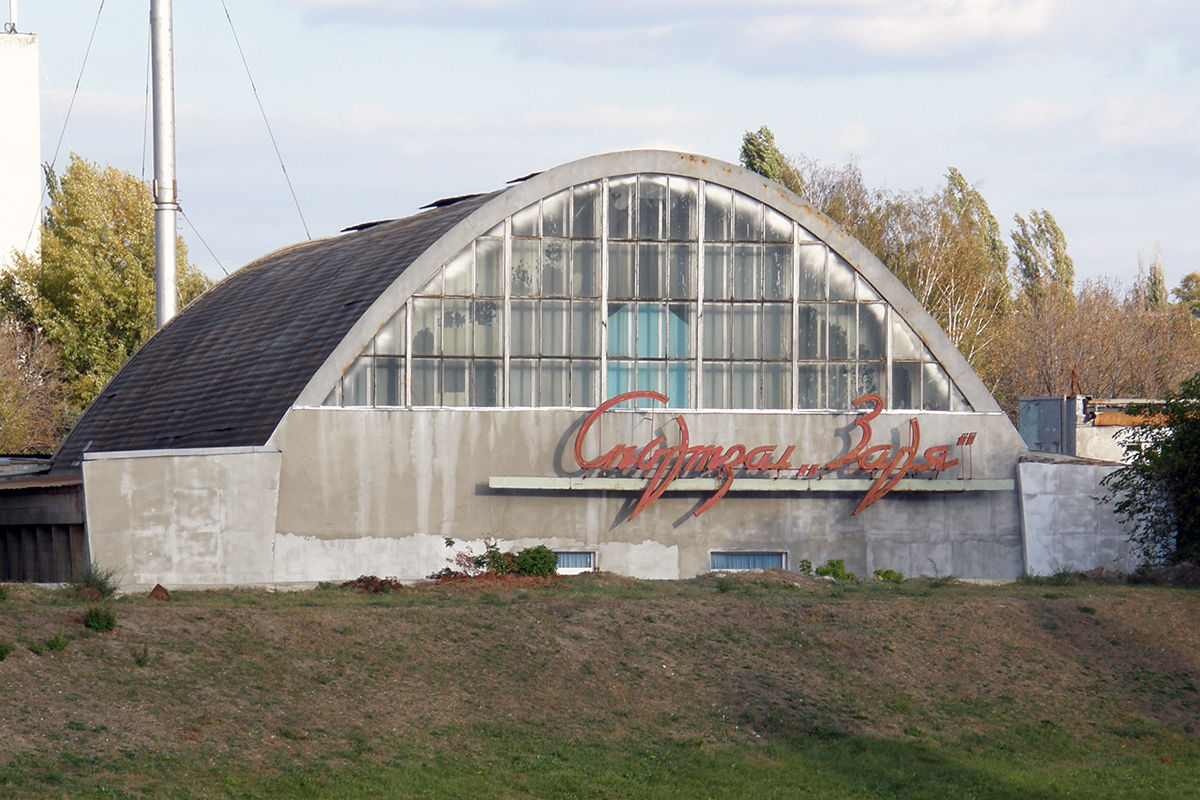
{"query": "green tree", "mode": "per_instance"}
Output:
(760, 154)
(1157, 494)
(1188, 292)
(1042, 264)
(92, 291)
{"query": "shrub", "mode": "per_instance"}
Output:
(3, 594)
(888, 576)
(540, 561)
(805, 567)
(836, 569)
(97, 578)
(6, 649)
(100, 619)
(57, 642)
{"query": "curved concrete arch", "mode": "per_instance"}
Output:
(631, 162)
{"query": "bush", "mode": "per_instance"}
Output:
(540, 561)
(95, 577)
(3, 594)
(888, 576)
(836, 569)
(57, 642)
(100, 619)
(6, 649)
(805, 567)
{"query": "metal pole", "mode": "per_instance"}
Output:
(166, 196)
(11, 27)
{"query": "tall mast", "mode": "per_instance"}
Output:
(166, 191)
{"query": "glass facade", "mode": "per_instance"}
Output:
(646, 282)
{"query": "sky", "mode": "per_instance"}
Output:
(1087, 108)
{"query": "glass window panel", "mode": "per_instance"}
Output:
(526, 268)
(811, 386)
(620, 330)
(651, 377)
(456, 330)
(716, 331)
(680, 330)
(489, 268)
(522, 376)
(747, 272)
(841, 278)
(585, 384)
(777, 331)
(497, 231)
(585, 269)
(957, 401)
(812, 272)
(747, 331)
(427, 326)
(803, 234)
(718, 213)
(652, 271)
(554, 328)
(747, 218)
(554, 268)
(356, 383)
(906, 386)
(524, 332)
(779, 227)
(935, 388)
(433, 286)
(872, 344)
(581, 561)
(714, 385)
(620, 207)
(620, 270)
(426, 383)
(812, 332)
(486, 382)
(735, 561)
(488, 331)
(392, 337)
(866, 294)
(683, 209)
(652, 207)
(457, 274)
(841, 386)
(553, 383)
(905, 344)
(651, 341)
(620, 377)
(454, 382)
(716, 272)
(586, 211)
(777, 272)
(745, 384)
(525, 222)
(681, 377)
(334, 398)
(681, 267)
(843, 341)
(585, 329)
(872, 379)
(777, 386)
(554, 214)
(389, 381)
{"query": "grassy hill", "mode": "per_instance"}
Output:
(768, 685)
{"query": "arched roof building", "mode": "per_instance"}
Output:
(341, 406)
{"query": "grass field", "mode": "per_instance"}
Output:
(755, 686)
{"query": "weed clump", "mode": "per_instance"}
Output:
(95, 579)
(888, 576)
(805, 567)
(6, 649)
(3, 594)
(836, 569)
(537, 562)
(100, 619)
(57, 643)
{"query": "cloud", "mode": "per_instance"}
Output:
(792, 36)
(1154, 120)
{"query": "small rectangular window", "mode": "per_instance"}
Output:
(718, 213)
(586, 214)
(620, 207)
(485, 383)
(585, 269)
(620, 270)
(489, 268)
(748, 218)
(554, 214)
(652, 207)
(747, 272)
(526, 268)
(731, 562)
(389, 381)
(683, 209)
(811, 391)
(812, 272)
(716, 272)
(573, 563)
(554, 268)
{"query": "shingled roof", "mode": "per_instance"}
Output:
(225, 371)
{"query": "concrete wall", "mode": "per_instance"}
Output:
(184, 518)
(1065, 525)
(1102, 444)
(20, 147)
(376, 491)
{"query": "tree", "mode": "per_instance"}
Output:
(1152, 282)
(760, 154)
(32, 393)
(1157, 494)
(92, 292)
(1040, 249)
(1188, 293)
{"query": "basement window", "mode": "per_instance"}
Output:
(574, 563)
(732, 562)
